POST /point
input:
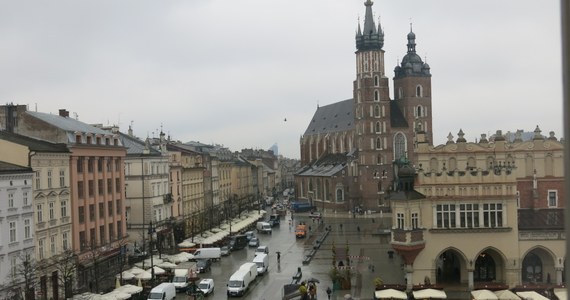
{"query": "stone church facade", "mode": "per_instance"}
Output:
(349, 146)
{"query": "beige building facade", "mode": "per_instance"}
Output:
(472, 224)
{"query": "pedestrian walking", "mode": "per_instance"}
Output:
(329, 292)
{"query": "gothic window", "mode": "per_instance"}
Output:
(419, 91)
(419, 111)
(378, 143)
(399, 145)
(484, 268)
(376, 81)
(532, 268)
(400, 93)
(377, 127)
(377, 111)
(339, 194)
(376, 96)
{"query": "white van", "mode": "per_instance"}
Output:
(208, 253)
(180, 280)
(241, 279)
(163, 291)
(206, 285)
(262, 262)
(263, 227)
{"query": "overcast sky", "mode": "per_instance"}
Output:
(230, 71)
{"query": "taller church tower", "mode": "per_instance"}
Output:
(371, 111)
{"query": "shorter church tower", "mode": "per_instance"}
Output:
(412, 90)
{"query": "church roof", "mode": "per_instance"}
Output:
(397, 119)
(332, 118)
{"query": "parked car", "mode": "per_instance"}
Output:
(203, 265)
(254, 242)
(262, 249)
(206, 285)
(249, 235)
(225, 250)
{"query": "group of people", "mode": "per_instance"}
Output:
(308, 290)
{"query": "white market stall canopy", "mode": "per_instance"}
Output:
(390, 294)
(531, 295)
(429, 294)
(506, 295)
(484, 295)
(561, 293)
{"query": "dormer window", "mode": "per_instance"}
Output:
(89, 140)
(78, 138)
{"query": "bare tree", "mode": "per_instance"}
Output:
(66, 264)
(22, 280)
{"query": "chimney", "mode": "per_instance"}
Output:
(64, 113)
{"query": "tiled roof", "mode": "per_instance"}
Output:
(32, 143)
(8, 168)
(332, 118)
(67, 123)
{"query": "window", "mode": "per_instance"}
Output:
(11, 200)
(82, 214)
(91, 212)
(552, 198)
(82, 240)
(80, 162)
(109, 186)
(110, 208)
(419, 91)
(378, 143)
(39, 213)
(445, 215)
(399, 146)
(101, 210)
(377, 127)
(469, 215)
(38, 181)
(91, 186)
(49, 175)
(12, 232)
(415, 221)
(100, 165)
(119, 229)
(63, 208)
(41, 248)
(492, 215)
(102, 234)
(376, 81)
(377, 111)
(52, 240)
(109, 165)
(111, 232)
(65, 240)
(400, 221)
(119, 210)
(117, 165)
(376, 96)
(27, 228)
(61, 178)
(90, 165)
(100, 187)
(80, 192)
(118, 185)
(25, 198)
(51, 210)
